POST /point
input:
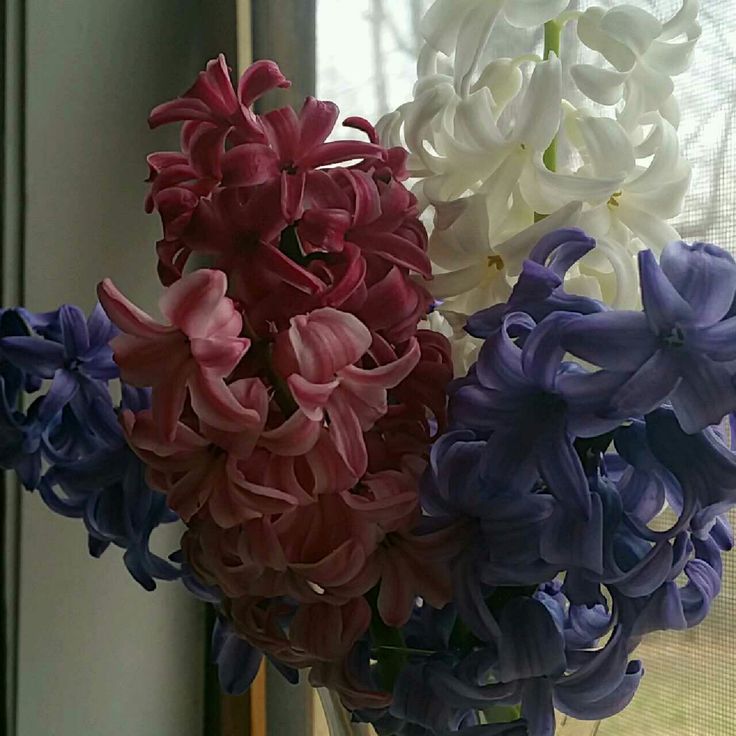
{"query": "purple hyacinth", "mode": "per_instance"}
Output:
(68, 444)
(681, 348)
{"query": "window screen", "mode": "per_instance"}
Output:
(366, 56)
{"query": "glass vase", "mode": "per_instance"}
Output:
(338, 721)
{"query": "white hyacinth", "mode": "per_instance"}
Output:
(480, 137)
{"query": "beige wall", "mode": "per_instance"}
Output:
(98, 656)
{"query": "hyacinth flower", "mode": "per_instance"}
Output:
(551, 404)
(681, 348)
(317, 357)
(191, 355)
(68, 444)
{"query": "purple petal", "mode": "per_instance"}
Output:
(649, 386)
(537, 708)
(499, 362)
(597, 674)
(569, 541)
(542, 352)
(718, 341)
(663, 306)
(73, 331)
(99, 327)
(531, 645)
(612, 703)
(572, 243)
(561, 468)
(705, 394)
(33, 355)
(62, 391)
(648, 574)
(618, 341)
(704, 275)
(237, 661)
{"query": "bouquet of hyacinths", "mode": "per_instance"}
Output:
(444, 551)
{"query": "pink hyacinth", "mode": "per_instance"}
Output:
(318, 356)
(191, 355)
(294, 399)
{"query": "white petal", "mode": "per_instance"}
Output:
(501, 184)
(472, 40)
(418, 120)
(514, 250)
(631, 26)
(621, 290)
(464, 239)
(547, 191)
(590, 33)
(671, 58)
(670, 111)
(540, 114)
(666, 200)
(440, 24)
(654, 85)
(504, 79)
(608, 146)
(604, 86)
(653, 231)
(665, 164)
(531, 13)
(453, 283)
(684, 21)
(475, 122)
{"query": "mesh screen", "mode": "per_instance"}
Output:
(366, 51)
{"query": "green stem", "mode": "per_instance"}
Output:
(552, 40)
(389, 644)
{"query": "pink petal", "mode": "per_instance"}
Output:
(338, 568)
(330, 474)
(327, 340)
(167, 401)
(259, 78)
(336, 152)
(190, 492)
(215, 88)
(352, 279)
(384, 376)
(178, 110)
(311, 397)
(143, 434)
(218, 354)
(125, 315)
(140, 359)
(296, 436)
(317, 119)
(347, 435)
(206, 147)
(323, 229)
(292, 195)
(282, 127)
(259, 541)
(292, 273)
(394, 249)
(363, 126)
(214, 403)
(248, 165)
(190, 302)
(367, 207)
(396, 595)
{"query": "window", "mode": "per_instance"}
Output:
(366, 56)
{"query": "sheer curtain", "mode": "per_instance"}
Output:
(366, 52)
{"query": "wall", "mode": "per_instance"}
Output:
(97, 655)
